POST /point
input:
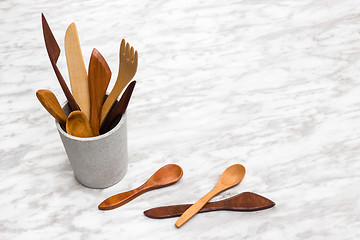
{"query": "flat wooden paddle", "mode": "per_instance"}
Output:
(77, 71)
(119, 109)
(244, 202)
(165, 176)
(51, 104)
(78, 125)
(232, 176)
(99, 78)
(53, 51)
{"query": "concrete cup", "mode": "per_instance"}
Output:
(101, 161)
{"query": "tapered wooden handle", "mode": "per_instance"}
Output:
(195, 208)
(122, 198)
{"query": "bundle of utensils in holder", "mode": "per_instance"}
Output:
(90, 115)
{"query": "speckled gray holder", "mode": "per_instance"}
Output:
(97, 162)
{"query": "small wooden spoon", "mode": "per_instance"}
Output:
(165, 176)
(51, 104)
(244, 202)
(78, 125)
(232, 176)
(99, 78)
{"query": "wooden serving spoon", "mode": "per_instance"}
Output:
(53, 50)
(99, 78)
(232, 176)
(244, 202)
(165, 176)
(77, 70)
(51, 104)
(119, 109)
(78, 125)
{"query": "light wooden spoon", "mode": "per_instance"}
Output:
(51, 104)
(78, 125)
(127, 69)
(232, 176)
(99, 78)
(77, 70)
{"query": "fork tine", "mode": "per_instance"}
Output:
(127, 50)
(131, 54)
(122, 47)
(136, 58)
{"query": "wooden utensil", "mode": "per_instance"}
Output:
(244, 202)
(78, 125)
(77, 70)
(53, 51)
(127, 69)
(232, 176)
(99, 78)
(165, 176)
(119, 109)
(51, 104)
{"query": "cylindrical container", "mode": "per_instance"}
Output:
(101, 161)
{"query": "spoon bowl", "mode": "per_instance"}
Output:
(166, 175)
(233, 175)
(78, 125)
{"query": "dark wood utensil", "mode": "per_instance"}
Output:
(99, 77)
(165, 176)
(53, 51)
(245, 202)
(119, 109)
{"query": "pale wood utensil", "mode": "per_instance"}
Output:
(127, 69)
(165, 176)
(244, 202)
(53, 51)
(51, 104)
(99, 78)
(119, 109)
(77, 70)
(78, 125)
(232, 176)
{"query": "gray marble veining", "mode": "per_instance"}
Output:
(273, 85)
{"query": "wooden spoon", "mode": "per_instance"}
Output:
(119, 109)
(77, 71)
(51, 104)
(78, 125)
(165, 176)
(244, 202)
(53, 50)
(232, 176)
(99, 78)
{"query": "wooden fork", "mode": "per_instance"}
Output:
(127, 69)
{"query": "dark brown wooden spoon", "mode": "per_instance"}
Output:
(165, 176)
(119, 109)
(245, 202)
(53, 51)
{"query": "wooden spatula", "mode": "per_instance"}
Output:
(53, 50)
(77, 71)
(99, 78)
(244, 202)
(51, 104)
(119, 109)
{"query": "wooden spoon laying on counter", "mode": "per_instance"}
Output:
(53, 50)
(77, 71)
(244, 202)
(232, 176)
(165, 176)
(78, 125)
(99, 78)
(51, 104)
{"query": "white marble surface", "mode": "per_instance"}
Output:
(273, 85)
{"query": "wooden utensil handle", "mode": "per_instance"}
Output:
(72, 103)
(122, 198)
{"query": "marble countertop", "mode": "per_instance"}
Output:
(273, 85)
